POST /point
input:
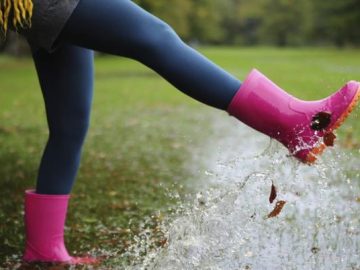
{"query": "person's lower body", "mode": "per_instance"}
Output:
(122, 28)
(66, 80)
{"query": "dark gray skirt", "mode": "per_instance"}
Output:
(49, 18)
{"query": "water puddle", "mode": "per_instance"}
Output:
(226, 225)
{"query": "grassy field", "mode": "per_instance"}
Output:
(141, 136)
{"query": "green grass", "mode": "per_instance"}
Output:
(141, 135)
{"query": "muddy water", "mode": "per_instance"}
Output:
(226, 225)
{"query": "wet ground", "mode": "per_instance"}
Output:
(133, 169)
(226, 225)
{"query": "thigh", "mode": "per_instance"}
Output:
(66, 80)
(111, 26)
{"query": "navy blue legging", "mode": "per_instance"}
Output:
(122, 28)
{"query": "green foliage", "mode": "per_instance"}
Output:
(284, 24)
(206, 21)
(338, 21)
(175, 12)
(277, 22)
(248, 22)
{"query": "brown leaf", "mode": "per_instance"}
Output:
(162, 242)
(315, 250)
(273, 193)
(277, 210)
(329, 139)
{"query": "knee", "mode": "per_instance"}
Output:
(155, 37)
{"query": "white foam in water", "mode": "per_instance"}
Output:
(226, 226)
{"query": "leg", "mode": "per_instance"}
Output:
(66, 80)
(122, 28)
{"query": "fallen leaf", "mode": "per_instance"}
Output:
(162, 242)
(329, 139)
(273, 193)
(315, 250)
(277, 210)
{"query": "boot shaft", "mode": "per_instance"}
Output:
(44, 226)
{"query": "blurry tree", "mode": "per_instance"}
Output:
(14, 44)
(249, 22)
(242, 21)
(250, 15)
(3, 43)
(337, 21)
(175, 12)
(206, 20)
(283, 22)
(191, 19)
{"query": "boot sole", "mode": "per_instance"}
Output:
(318, 150)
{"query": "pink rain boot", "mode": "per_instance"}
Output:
(44, 223)
(304, 127)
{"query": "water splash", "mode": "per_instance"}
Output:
(226, 224)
